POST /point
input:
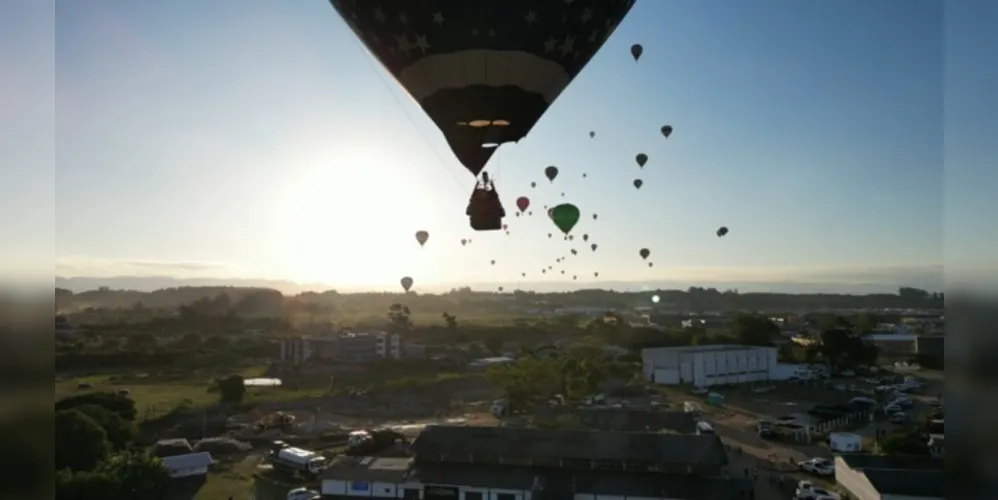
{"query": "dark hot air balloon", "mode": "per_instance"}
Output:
(464, 242)
(493, 262)
(533, 184)
(721, 231)
(421, 237)
(636, 51)
(594, 246)
(595, 216)
(551, 172)
(641, 159)
(651, 264)
(638, 183)
(596, 274)
(484, 72)
(522, 203)
(406, 283)
(592, 134)
(644, 253)
(585, 237)
(666, 130)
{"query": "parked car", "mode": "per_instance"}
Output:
(899, 417)
(817, 466)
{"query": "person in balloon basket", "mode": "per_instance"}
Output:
(484, 208)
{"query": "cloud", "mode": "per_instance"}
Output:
(93, 267)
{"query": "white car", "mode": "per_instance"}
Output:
(817, 466)
(808, 491)
(303, 494)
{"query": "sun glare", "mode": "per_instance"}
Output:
(339, 224)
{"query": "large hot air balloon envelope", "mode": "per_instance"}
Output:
(644, 253)
(721, 231)
(483, 71)
(421, 237)
(638, 183)
(565, 216)
(551, 172)
(406, 283)
(641, 159)
(636, 51)
(522, 203)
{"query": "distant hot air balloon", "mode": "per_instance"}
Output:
(505, 227)
(575, 277)
(638, 183)
(594, 246)
(596, 274)
(469, 241)
(533, 184)
(421, 237)
(574, 252)
(549, 235)
(500, 289)
(651, 264)
(493, 262)
(571, 237)
(592, 133)
(562, 195)
(524, 275)
(641, 159)
(585, 237)
(666, 130)
(721, 231)
(636, 51)
(406, 283)
(470, 109)
(583, 175)
(595, 216)
(644, 253)
(517, 213)
(531, 213)
(551, 172)
(565, 216)
(522, 203)
(562, 271)
(544, 271)
(464, 242)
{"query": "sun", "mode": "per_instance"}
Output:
(343, 222)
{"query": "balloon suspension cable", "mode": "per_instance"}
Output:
(408, 116)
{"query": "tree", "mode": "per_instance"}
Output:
(493, 344)
(137, 474)
(232, 389)
(908, 441)
(399, 314)
(451, 320)
(755, 329)
(840, 346)
(80, 442)
(121, 433)
(84, 485)
(113, 402)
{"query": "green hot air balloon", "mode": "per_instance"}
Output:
(565, 216)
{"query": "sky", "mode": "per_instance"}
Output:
(259, 139)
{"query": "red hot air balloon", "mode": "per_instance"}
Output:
(523, 203)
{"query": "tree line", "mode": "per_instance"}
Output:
(263, 302)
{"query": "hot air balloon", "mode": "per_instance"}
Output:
(522, 203)
(523, 275)
(644, 253)
(565, 216)
(596, 274)
(500, 289)
(583, 175)
(406, 283)
(562, 195)
(533, 184)
(666, 130)
(592, 133)
(574, 252)
(544, 271)
(595, 216)
(594, 246)
(531, 213)
(421, 237)
(469, 241)
(585, 237)
(636, 51)
(505, 227)
(638, 183)
(549, 235)
(562, 271)
(651, 264)
(641, 159)
(493, 262)
(442, 62)
(721, 231)
(517, 213)
(551, 172)
(464, 242)
(574, 277)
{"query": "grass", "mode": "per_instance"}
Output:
(158, 394)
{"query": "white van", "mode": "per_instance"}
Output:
(704, 427)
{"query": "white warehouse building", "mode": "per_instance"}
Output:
(709, 365)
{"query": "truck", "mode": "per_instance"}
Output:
(295, 459)
(371, 442)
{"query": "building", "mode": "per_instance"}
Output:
(931, 349)
(708, 365)
(344, 347)
(876, 477)
(188, 464)
(506, 463)
(893, 344)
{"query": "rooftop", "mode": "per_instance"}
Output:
(894, 475)
(399, 470)
(707, 348)
(484, 443)
(188, 460)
